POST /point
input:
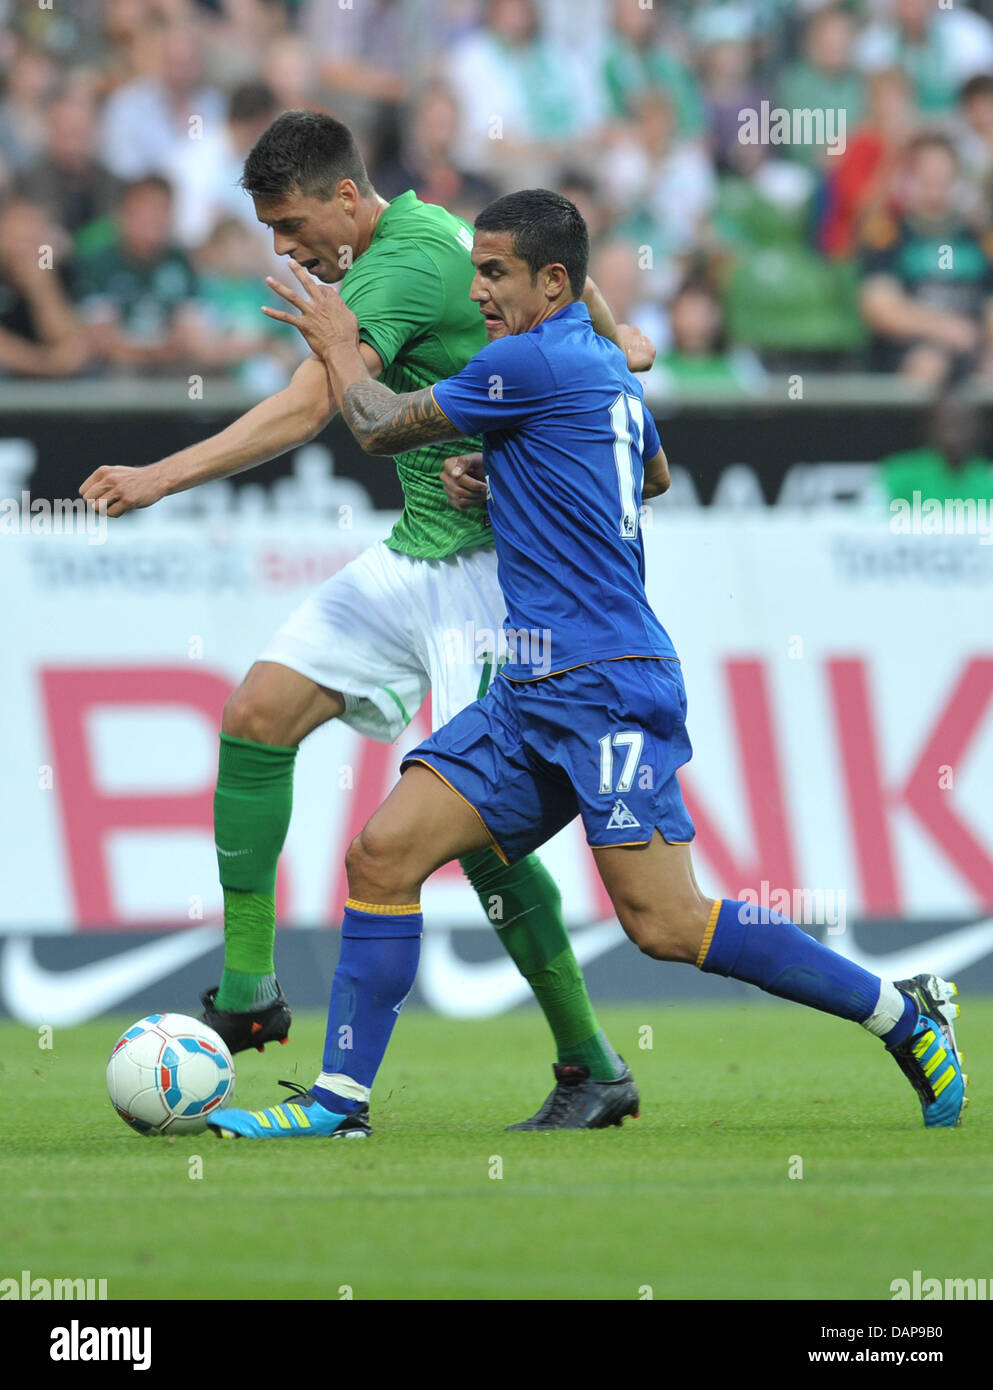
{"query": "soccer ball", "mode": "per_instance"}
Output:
(166, 1074)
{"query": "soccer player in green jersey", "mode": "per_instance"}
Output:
(371, 642)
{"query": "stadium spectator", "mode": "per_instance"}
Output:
(699, 355)
(824, 78)
(290, 73)
(29, 83)
(362, 60)
(138, 295)
(927, 280)
(525, 104)
(126, 30)
(949, 465)
(39, 333)
(69, 181)
(938, 46)
(427, 163)
(205, 173)
(862, 180)
(149, 120)
(238, 37)
(582, 189)
(729, 87)
(660, 186)
(645, 53)
(257, 351)
(976, 143)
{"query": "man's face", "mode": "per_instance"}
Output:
(145, 217)
(932, 183)
(502, 286)
(318, 234)
(979, 114)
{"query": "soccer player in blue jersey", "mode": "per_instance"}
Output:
(587, 716)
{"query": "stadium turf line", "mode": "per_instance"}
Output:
(692, 1200)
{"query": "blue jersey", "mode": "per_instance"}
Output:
(565, 436)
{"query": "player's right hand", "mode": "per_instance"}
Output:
(122, 489)
(464, 481)
(638, 349)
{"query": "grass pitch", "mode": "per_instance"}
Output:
(694, 1200)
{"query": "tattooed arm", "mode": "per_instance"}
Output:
(381, 421)
(384, 423)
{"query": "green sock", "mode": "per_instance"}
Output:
(524, 904)
(252, 806)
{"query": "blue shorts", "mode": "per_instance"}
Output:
(602, 741)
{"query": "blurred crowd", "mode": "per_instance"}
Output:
(862, 239)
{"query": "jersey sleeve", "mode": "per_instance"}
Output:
(652, 441)
(502, 386)
(395, 299)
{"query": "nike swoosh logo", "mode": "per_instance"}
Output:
(943, 955)
(465, 989)
(34, 995)
(480, 989)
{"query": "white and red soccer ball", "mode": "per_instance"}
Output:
(167, 1073)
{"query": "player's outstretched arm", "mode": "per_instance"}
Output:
(289, 418)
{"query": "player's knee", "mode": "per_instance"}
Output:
(650, 935)
(245, 716)
(373, 866)
(672, 935)
(359, 866)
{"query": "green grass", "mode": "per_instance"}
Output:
(693, 1199)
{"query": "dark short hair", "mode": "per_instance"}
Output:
(979, 86)
(155, 181)
(250, 100)
(933, 140)
(547, 230)
(306, 152)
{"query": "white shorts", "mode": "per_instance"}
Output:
(387, 628)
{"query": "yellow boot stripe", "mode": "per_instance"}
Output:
(943, 1080)
(262, 1118)
(280, 1118)
(935, 1062)
(384, 909)
(923, 1044)
(298, 1114)
(708, 935)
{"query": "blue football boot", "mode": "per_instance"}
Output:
(304, 1117)
(929, 1057)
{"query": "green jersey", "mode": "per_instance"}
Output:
(928, 472)
(410, 294)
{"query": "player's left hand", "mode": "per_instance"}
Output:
(324, 319)
(639, 350)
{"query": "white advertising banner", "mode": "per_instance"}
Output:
(840, 683)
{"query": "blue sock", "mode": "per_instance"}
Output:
(751, 943)
(379, 954)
